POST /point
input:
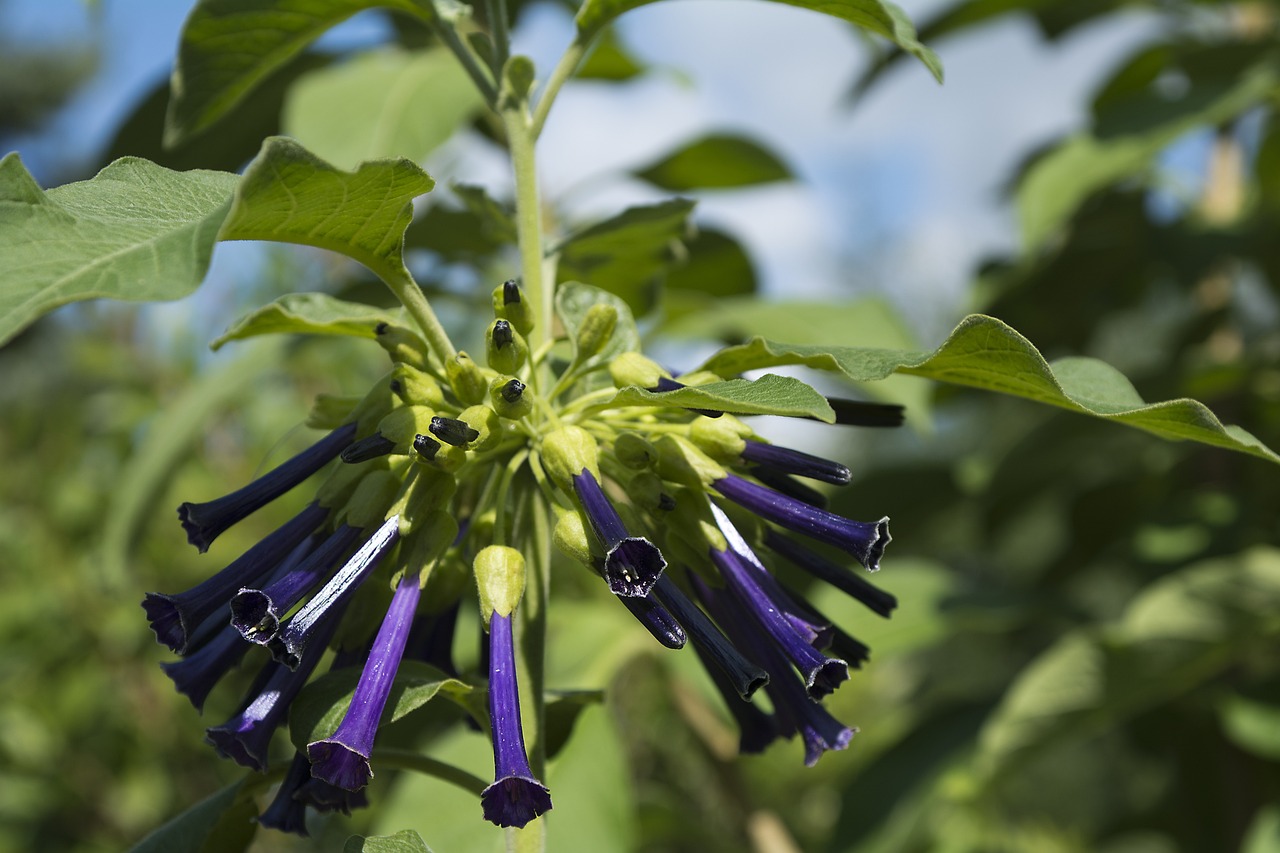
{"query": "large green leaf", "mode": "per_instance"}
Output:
(134, 231)
(983, 352)
(212, 820)
(405, 841)
(876, 16)
(289, 195)
(308, 314)
(229, 47)
(1178, 633)
(388, 103)
(715, 161)
(768, 395)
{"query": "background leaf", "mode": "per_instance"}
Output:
(405, 841)
(308, 314)
(224, 818)
(574, 300)
(135, 231)
(716, 161)
(768, 395)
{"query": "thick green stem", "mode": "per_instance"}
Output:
(520, 141)
(410, 295)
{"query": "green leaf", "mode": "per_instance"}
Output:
(768, 395)
(291, 196)
(1254, 726)
(308, 314)
(985, 353)
(405, 841)
(217, 815)
(628, 254)
(564, 707)
(716, 161)
(229, 47)
(321, 705)
(574, 300)
(716, 266)
(495, 218)
(1263, 835)
(388, 103)
(875, 16)
(134, 231)
(1180, 632)
(610, 60)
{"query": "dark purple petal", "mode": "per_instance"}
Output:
(865, 540)
(343, 758)
(668, 384)
(289, 643)
(795, 462)
(789, 486)
(515, 797)
(632, 564)
(256, 613)
(286, 813)
(833, 573)
(195, 675)
(369, 447)
(174, 617)
(858, 413)
(656, 619)
(743, 675)
(326, 797)
(204, 522)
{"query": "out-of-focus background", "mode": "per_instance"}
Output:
(1084, 656)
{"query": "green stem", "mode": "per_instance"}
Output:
(497, 12)
(406, 760)
(467, 58)
(410, 295)
(564, 69)
(520, 142)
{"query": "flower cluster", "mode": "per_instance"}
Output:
(440, 467)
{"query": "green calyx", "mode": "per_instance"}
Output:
(505, 348)
(567, 452)
(404, 346)
(632, 368)
(722, 438)
(572, 538)
(373, 497)
(485, 421)
(330, 411)
(680, 461)
(510, 398)
(499, 574)
(509, 304)
(466, 379)
(634, 451)
(596, 330)
(415, 387)
(402, 424)
(431, 537)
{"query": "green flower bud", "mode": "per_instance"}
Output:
(510, 398)
(372, 498)
(693, 524)
(634, 450)
(466, 379)
(428, 491)
(573, 538)
(402, 424)
(509, 304)
(631, 368)
(596, 330)
(341, 483)
(646, 490)
(505, 348)
(484, 421)
(330, 411)
(415, 387)
(566, 452)
(374, 407)
(681, 462)
(438, 455)
(499, 579)
(722, 438)
(403, 345)
(427, 542)
(700, 377)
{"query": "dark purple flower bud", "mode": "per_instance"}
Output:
(510, 292)
(667, 384)
(256, 613)
(196, 675)
(369, 447)
(656, 619)
(173, 617)
(286, 813)
(858, 413)
(833, 573)
(512, 391)
(453, 431)
(789, 486)
(426, 446)
(796, 462)
(204, 522)
(502, 333)
(743, 676)
(288, 645)
(865, 540)
(343, 758)
(515, 797)
(632, 564)
(756, 729)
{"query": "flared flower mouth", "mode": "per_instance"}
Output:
(515, 801)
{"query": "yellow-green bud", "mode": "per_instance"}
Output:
(482, 525)
(485, 421)
(631, 368)
(403, 345)
(466, 379)
(596, 330)
(510, 398)
(415, 387)
(722, 438)
(499, 579)
(438, 455)
(634, 451)
(681, 462)
(509, 304)
(573, 539)
(646, 490)
(402, 424)
(693, 524)
(566, 452)
(371, 500)
(431, 537)
(700, 377)
(505, 348)
(430, 489)
(331, 411)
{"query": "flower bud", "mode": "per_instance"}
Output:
(403, 424)
(341, 484)
(403, 345)
(722, 438)
(437, 455)
(510, 398)
(416, 388)
(634, 450)
(646, 490)
(466, 379)
(368, 505)
(430, 489)
(374, 406)
(681, 462)
(431, 537)
(566, 452)
(573, 539)
(632, 368)
(505, 347)
(596, 330)
(499, 579)
(330, 411)
(483, 420)
(509, 304)
(452, 431)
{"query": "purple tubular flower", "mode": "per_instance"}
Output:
(288, 645)
(515, 797)
(656, 619)
(858, 413)
(173, 617)
(196, 675)
(796, 462)
(743, 676)
(256, 613)
(326, 797)
(833, 573)
(756, 729)
(632, 564)
(369, 447)
(287, 813)
(343, 758)
(865, 540)
(665, 384)
(789, 486)
(204, 522)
